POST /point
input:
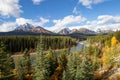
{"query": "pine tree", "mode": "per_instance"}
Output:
(63, 59)
(117, 35)
(64, 75)
(6, 61)
(41, 64)
(84, 72)
(95, 64)
(52, 59)
(26, 65)
(72, 64)
(18, 66)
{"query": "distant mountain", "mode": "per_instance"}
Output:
(30, 28)
(24, 27)
(82, 33)
(86, 31)
(64, 31)
(81, 30)
(100, 31)
(39, 29)
(74, 31)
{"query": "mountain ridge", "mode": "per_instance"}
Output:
(28, 29)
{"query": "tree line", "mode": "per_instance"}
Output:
(19, 43)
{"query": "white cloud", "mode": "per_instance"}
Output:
(75, 11)
(40, 22)
(104, 19)
(21, 21)
(114, 27)
(103, 22)
(37, 2)
(89, 3)
(7, 26)
(68, 20)
(92, 27)
(10, 8)
(43, 21)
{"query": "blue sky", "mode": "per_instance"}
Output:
(57, 14)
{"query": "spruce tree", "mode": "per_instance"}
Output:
(6, 61)
(84, 72)
(52, 59)
(64, 75)
(41, 64)
(26, 65)
(63, 59)
(18, 66)
(72, 64)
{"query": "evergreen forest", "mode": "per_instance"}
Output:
(98, 60)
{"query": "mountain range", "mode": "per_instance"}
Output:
(81, 30)
(28, 29)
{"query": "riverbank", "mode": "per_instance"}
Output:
(76, 48)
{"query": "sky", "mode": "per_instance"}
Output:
(55, 15)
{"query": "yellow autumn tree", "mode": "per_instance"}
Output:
(109, 54)
(114, 41)
(106, 58)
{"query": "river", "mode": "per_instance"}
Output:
(78, 47)
(74, 49)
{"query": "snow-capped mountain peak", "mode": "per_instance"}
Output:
(30, 28)
(64, 31)
(25, 27)
(101, 31)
